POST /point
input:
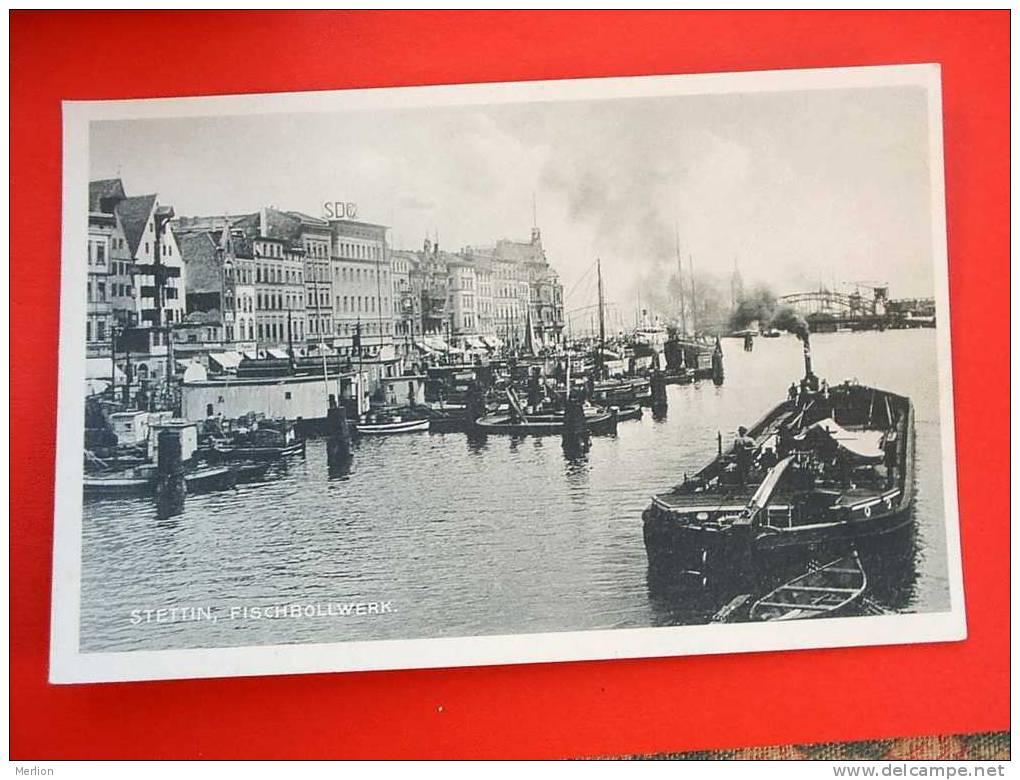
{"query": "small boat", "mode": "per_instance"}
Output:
(596, 419)
(823, 592)
(634, 412)
(142, 482)
(381, 424)
(271, 440)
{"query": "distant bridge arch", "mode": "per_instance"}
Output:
(836, 304)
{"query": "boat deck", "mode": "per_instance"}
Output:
(735, 499)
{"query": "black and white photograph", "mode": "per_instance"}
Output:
(504, 373)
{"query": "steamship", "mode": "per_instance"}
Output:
(829, 464)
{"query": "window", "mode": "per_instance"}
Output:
(100, 254)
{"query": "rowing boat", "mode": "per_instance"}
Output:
(823, 592)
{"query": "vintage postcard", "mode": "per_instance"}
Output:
(502, 373)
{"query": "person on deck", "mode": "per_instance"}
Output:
(743, 448)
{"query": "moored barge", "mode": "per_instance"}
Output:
(826, 465)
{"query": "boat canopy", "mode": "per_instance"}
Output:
(865, 445)
(494, 342)
(475, 342)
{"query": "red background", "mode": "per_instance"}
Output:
(548, 710)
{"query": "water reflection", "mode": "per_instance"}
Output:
(485, 535)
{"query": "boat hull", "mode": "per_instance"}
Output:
(243, 452)
(694, 533)
(387, 428)
(201, 480)
(597, 424)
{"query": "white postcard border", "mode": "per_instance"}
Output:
(69, 665)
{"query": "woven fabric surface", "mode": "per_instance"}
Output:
(992, 746)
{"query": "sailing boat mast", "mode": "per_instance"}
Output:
(602, 323)
(694, 298)
(680, 286)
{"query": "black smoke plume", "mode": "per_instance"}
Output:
(759, 306)
(787, 319)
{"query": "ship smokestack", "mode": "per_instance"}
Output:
(789, 320)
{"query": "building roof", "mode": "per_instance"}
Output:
(104, 194)
(134, 216)
(199, 255)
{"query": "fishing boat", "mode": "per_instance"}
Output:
(826, 591)
(388, 422)
(141, 482)
(826, 465)
(520, 421)
(597, 421)
(620, 391)
(269, 440)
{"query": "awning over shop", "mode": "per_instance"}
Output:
(279, 354)
(320, 349)
(100, 368)
(493, 342)
(436, 344)
(96, 386)
(475, 342)
(421, 345)
(228, 361)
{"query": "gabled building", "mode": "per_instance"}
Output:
(144, 285)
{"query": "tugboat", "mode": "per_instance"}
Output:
(826, 465)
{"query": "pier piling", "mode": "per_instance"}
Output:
(575, 426)
(657, 380)
(474, 405)
(170, 485)
(717, 363)
(338, 441)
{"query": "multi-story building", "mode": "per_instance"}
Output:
(145, 281)
(362, 286)
(406, 303)
(539, 292)
(462, 295)
(99, 290)
(278, 260)
(220, 285)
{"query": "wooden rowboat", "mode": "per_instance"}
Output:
(819, 593)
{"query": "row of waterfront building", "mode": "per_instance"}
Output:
(283, 280)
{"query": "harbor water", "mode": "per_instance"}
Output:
(442, 535)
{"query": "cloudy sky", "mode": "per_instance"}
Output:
(798, 188)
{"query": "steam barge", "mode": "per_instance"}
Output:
(825, 465)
